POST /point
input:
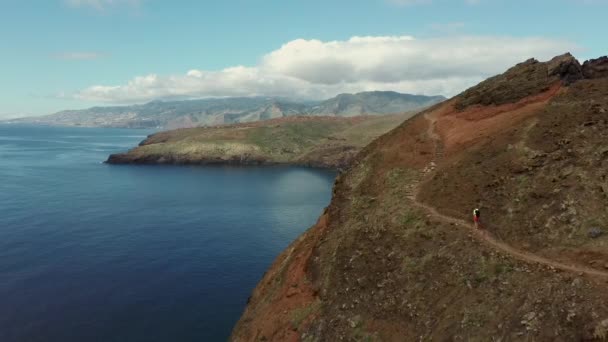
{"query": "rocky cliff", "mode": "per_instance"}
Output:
(395, 257)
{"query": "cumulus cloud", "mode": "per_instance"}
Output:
(321, 69)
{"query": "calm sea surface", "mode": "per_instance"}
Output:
(95, 252)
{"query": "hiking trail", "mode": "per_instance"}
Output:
(482, 234)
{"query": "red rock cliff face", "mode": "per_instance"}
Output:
(394, 256)
(285, 290)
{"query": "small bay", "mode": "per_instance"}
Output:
(97, 252)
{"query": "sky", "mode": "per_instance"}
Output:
(72, 54)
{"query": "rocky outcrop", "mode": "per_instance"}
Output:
(531, 78)
(525, 79)
(340, 159)
(170, 159)
(596, 68)
(566, 67)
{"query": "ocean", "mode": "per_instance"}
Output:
(97, 252)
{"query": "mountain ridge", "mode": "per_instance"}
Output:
(214, 111)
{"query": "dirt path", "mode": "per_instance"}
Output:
(485, 236)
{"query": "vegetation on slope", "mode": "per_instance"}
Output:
(380, 265)
(313, 141)
(543, 181)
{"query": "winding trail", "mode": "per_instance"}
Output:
(483, 235)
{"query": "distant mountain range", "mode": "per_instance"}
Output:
(217, 111)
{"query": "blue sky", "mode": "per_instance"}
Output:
(59, 54)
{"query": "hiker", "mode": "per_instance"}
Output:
(476, 214)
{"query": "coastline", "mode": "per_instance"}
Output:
(126, 159)
(319, 142)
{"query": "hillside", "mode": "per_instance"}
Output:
(303, 140)
(374, 102)
(394, 256)
(218, 111)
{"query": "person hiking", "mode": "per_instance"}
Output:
(476, 214)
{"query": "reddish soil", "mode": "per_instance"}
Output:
(462, 128)
(288, 282)
(406, 147)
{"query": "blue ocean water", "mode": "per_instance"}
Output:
(96, 252)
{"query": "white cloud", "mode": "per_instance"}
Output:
(317, 69)
(102, 4)
(79, 55)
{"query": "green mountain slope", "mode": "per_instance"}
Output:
(312, 141)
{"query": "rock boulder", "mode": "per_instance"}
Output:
(566, 67)
(596, 68)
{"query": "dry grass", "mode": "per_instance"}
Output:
(330, 142)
